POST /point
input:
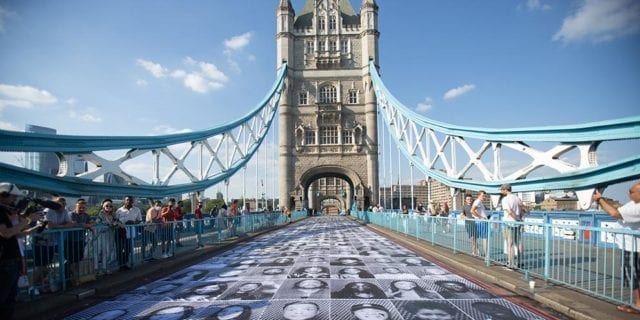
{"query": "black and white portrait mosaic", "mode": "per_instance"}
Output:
(316, 269)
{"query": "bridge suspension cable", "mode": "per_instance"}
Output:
(227, 149)
(425, 142)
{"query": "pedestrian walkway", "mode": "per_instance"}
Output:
(569, 302)
(319, 268)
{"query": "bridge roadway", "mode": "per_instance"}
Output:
(348, 280)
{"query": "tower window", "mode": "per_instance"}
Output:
(347, 138)
(322, 46)
(303, 98)
(332, 46)
(321, 23)
(353, 96)
(332, 23)
(329, 135)
(309, 46)
(309, 137)
(344, 46)
(328, 94)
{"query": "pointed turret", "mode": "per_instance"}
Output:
(285, 15)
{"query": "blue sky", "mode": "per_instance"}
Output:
(148, 67)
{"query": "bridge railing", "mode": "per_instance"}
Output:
(57, 259)
(564, 254)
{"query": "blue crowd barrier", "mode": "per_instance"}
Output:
(581, 250)
(57, 259)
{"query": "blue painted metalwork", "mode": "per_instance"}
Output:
(255, 124)
(416, 137)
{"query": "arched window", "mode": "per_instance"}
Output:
(328, 94)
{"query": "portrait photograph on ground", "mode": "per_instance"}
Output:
(319, 268)
(298, 310)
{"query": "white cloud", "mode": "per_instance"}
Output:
(141, 83)
(155, 69)
(196, 83)
(533, 5)
(15, 103)
(85, 116)
(207, 77)
(212, 72)
(202, 78)
(238, 42)
(233, 46)
(599, 21)
(71, 101)
(456, 92)
(24, 96)
(425, 106)
(8, 126)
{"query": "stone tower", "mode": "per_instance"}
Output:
(328, 120)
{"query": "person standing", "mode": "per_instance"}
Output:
(169, 217)
(513, 211)
(198, 223)
(470, 223)
(10, 257)
(127, 215)
(46, 245)
(629, 217)
(234, 219)
(106, 239)
(75, 240)
(179, 216)
(153, 218)
(478, 211)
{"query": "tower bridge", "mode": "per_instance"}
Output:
(334, 112)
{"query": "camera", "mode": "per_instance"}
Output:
(28, 205)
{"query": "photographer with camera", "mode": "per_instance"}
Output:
(10, 256)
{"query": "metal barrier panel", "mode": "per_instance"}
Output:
(580, 250)
(59, 258)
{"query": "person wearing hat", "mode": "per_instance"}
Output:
(369, 311)
(10, 256)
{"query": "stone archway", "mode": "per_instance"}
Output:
(328, 204)
(355, 191)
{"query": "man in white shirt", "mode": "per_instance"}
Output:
(127, 214)
(513, 211)
(628, 217)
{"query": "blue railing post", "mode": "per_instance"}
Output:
(547, 250)
(433, 231)
(131, 244)
(61, 269)
(455, 233)
(487, 257)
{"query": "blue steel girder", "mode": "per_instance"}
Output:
(425, 142)
(228, 148)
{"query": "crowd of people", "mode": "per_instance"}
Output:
(115, 237)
